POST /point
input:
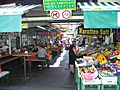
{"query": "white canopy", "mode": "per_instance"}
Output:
(99, 5)
(13, 10)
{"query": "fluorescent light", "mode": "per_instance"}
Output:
(40, 27)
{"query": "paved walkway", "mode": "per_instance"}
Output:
(57, 77)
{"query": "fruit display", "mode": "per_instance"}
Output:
(107, 68)
(88, 73)
(107, 71)
(118, 56)
(87, 61)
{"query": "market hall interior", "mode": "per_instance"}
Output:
(98, 48)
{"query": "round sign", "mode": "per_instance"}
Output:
(55, 14)
(66, 14)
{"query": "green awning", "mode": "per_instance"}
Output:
(100, 19)
(101, 14)
(10, 23)
(11, 17)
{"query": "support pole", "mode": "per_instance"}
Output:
(9, 36)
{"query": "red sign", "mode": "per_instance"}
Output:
(66, 14)
(55, 14)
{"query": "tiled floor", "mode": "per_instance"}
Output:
(57, 77)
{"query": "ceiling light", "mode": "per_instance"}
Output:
(40, 27)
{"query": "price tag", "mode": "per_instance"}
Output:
(102, 59)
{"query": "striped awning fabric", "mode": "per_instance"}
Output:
(13, 10)
(99, 5)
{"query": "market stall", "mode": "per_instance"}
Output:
(11, 23)
(99, 67)
(99, 15)
(11, 19)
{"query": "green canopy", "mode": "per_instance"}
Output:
(10, 23)
(100, 19)
(101, 14)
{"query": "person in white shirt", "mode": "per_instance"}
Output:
(41, 52)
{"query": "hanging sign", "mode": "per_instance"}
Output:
(24, 25)
(60, 14)
(55, 14)
(59, 5)
(66, 14)
(87, 31)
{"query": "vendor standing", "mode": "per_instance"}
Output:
(72, 56)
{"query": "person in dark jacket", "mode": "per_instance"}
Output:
(72, 56)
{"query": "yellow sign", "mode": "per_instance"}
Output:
(83, 31)
(102, 59)
(24, 25)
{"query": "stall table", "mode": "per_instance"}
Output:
(24, 55)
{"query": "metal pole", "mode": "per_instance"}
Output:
(9, 37)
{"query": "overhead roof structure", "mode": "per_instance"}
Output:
(49, 19)
(11, 16)
(99, 5)
(11, 10)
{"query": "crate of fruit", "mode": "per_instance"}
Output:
(108, 79)
(95, 81)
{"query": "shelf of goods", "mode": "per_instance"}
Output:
(98, 71)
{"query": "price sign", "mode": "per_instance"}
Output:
(102, 59)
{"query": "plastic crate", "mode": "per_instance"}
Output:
(79, 83)
(96, 81)
(118, 79)
(108, 80)
(110, 87)
(90, 85)
(76, 74)
(77, 78)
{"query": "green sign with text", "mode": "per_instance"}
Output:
(59, 5)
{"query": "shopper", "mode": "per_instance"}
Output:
(72, 56)
(54, 50)
(35, 48)
(41, 53)
(83, 41)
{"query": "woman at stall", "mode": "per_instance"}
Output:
(72, 56)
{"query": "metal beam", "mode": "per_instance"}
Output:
(50, 20)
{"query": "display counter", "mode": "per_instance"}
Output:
(106, 63)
